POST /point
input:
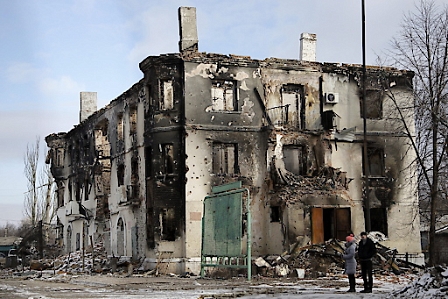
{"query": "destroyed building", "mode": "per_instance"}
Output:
(134, 174)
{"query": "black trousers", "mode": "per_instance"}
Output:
(352, 281)
(366, 271)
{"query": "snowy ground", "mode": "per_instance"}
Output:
(138, 287)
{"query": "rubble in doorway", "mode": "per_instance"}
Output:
(324, 260)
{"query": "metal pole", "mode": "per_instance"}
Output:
(249, 238)
(364, 110)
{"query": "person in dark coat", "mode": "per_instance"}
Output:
(366, 251)
(350, 261)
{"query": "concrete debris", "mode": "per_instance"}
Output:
(320, 260)
(91, 261)
(432, 284)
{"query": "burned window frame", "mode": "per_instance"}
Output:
(227, 107)
(379, 219)
(120, 126)
(298, 91)
(133, 119)
(378, 152)
(168, 227)
(59, 157)
(120, 174)
(167, 166)
(221, 148)
(374, 99)
(166, 100)
(301, 158)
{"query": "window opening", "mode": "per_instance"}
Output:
(120, 174)
(166, 95)
(223, 96)
(133, 120)
(225, 158)
(120, 127)
(167, 220)
(275, 214)
(292, 99)
(167, 159)
(375, 156)
(374, 105)
(378, 220)
(294, 157)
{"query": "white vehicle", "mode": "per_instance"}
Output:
(13, 252)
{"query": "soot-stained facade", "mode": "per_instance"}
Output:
(133, 175)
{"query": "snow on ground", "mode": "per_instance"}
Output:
(432, 284)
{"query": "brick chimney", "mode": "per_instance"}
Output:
(188, 29)
(87, 104)
(308, 46)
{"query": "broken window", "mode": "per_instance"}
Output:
(167, 220)
(133, 120)
(77, 191)
(223, 96)
(120, 127)
(225, 158)
(102, 145)
(120, 237)
(375, 156)
(60, 193)
(120, 174)
(133, 190)
(374, 105)
(293, 105)
(69, 239)
(378, 220)
(148, 161)
(78, 241)
(275, 214)
(167, 158)
(134, 171)
(294, 157)
(86, 190)
(166, 95)
(59, 157)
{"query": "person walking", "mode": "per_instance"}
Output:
(350, 261)
(366, 251)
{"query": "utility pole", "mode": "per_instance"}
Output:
(364, 107)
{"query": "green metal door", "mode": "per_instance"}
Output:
(222, 228)
(222, 225)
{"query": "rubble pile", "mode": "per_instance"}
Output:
(432, 284)
(324, 259)
(92, 260)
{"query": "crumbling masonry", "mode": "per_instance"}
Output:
(133, 174)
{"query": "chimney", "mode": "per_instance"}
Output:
(187, 29)
(87, 104)
(308, 46)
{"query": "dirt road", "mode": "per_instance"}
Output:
(108, 286)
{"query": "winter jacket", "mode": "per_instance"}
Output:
(349, 257)
(366, 251)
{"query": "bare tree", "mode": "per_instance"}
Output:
(31, 161)
(422, 46)
(39, 198)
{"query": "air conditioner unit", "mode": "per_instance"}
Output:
(331, 98)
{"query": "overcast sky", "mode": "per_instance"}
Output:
(51, 50)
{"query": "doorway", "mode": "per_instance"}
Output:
(330, 223)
